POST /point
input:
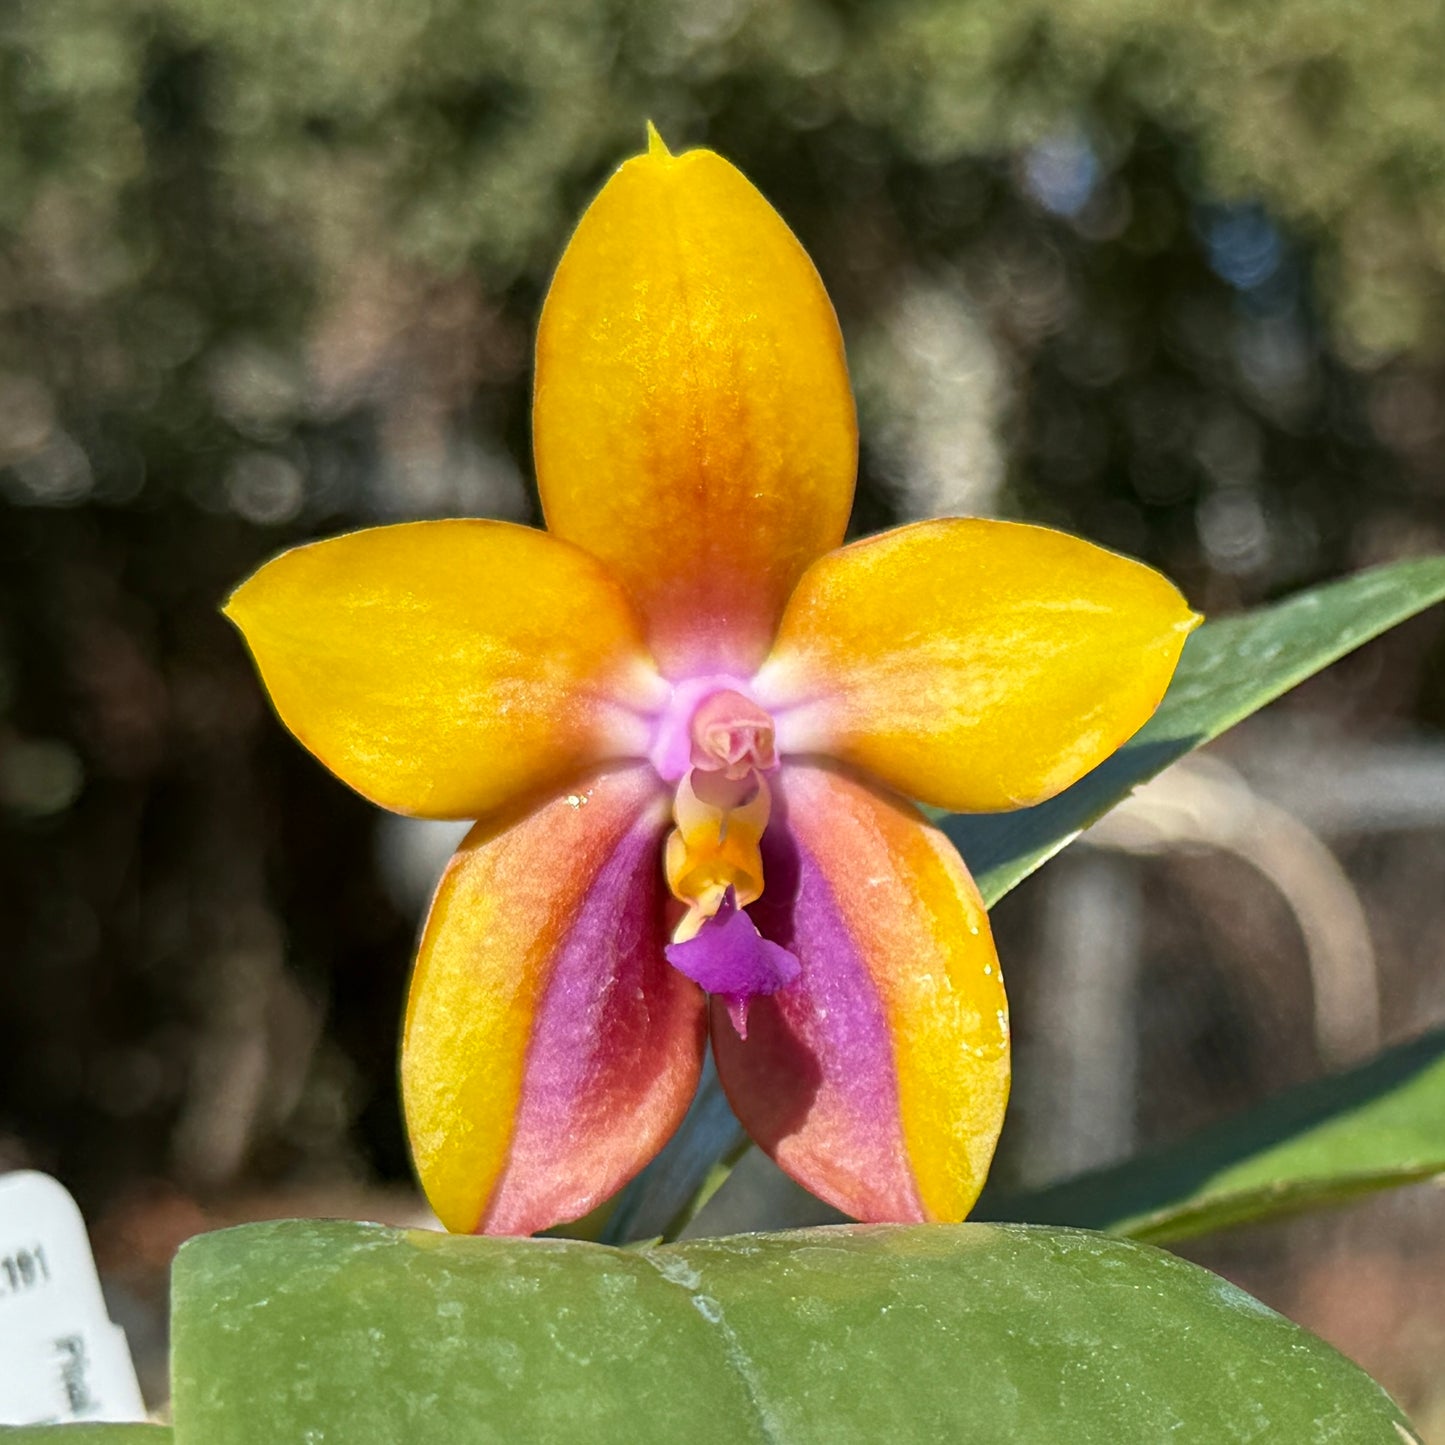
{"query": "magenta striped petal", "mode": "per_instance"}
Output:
(550, 1048)
(878, 1080)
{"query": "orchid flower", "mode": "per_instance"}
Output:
(690, 722)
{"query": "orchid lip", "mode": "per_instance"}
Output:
(731, 960)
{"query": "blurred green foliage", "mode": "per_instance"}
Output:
(457, 134)
(261, 234)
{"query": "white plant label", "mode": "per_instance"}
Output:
(60, 1357)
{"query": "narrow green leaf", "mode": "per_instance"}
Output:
(311, 1330)
(1230, 669)
(1373, 1127)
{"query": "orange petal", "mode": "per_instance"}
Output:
(444, 668)
(878, 1079)
(693, 424)
(550, 1049)
(974, 665)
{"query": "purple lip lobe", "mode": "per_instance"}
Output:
(730, 959)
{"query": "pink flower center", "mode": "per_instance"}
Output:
(711, 724)
(731, 734)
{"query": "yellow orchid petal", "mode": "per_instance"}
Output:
(693, 424)
(974, 665)
(444, 668)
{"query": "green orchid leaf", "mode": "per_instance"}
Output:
(1369, 1128)
(1230, 669)
(85, 1434)
(309, 1330)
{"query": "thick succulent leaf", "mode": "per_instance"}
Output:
(86, 1434)
(308, 1330)
(1230, 669)
(1369, 1128)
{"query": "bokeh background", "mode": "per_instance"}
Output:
(1171, 276)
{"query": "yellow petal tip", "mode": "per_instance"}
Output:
(229, 608)
(656, 147)
(245, 606)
